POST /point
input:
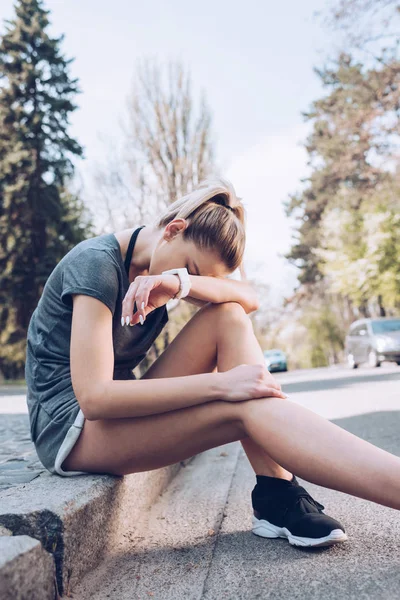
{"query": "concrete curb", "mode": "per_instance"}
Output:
(26, 569)
(75, 519)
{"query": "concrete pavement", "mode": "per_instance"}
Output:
(196, 542)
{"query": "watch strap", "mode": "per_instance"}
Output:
(185, 283)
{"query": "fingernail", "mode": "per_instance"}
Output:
(127, 320)
(142, 305)
(141, 319)
(122, 321)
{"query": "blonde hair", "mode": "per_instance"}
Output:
(216, 219)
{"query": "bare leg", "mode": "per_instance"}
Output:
(261, 462)
(247, 350)
(303, 442)
(130, 445)
(123, 446)
(298, 439)
(323, 453)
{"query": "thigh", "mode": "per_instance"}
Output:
(194, 349)
(129, 445)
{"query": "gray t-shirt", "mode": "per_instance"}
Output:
(93, 267)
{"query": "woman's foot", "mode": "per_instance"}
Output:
(285, 509)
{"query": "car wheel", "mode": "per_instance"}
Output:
(373, 360)
(351, 362)
(398, 362)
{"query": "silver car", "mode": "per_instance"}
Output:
(373, 341)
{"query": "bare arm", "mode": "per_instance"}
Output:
(210, 289)
(92, 368)
(195, 301)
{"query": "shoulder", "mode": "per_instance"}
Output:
(92, 269)
(90, 257)
(93, 249)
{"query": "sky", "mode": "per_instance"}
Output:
(254, 61)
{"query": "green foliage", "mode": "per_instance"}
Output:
(347, 246)
(354, 128)
(324, 335)
(40, 219)
(361, 249)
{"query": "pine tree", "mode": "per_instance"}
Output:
(40, 220)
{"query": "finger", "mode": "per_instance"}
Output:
(147, 296)
(271, 382)
(141, 297)
(274, 393)
(128, 303)
(275, 385)
(271, 379)
(134, 318)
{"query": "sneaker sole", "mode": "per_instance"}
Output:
(268, 530)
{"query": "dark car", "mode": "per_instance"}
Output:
(373, 341)
(275, 360)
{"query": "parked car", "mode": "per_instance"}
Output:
(373, 341)
(275, 360)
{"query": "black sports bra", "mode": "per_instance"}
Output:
(131, 246)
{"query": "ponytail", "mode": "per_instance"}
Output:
(216, 219)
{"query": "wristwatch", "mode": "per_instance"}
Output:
(184, 279)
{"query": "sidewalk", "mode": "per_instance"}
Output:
(19, 462)
(196, 543)
(55, 529)
(185, 531)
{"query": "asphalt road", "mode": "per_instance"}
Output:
(342, 392)
(196, 542)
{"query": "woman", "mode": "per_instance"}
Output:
(100, 311)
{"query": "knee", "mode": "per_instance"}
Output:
(255, 409)
(231, 312)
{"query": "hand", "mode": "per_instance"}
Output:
(246, 382)
(148, 292)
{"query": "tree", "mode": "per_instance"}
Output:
(354, 138)
(167, 146)
(361, 250)
(347, 225)
(40, 218)
(372, 26)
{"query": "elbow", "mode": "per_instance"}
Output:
(251, 309)
(252, 306)
(252, 301)
(90, 405)
(88, 412)
(87, 408)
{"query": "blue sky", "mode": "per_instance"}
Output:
(253, 59)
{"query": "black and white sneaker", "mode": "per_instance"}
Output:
(285, 509)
